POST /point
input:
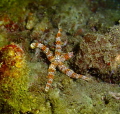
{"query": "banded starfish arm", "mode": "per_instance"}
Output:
(51, 72)
(45, 49)
(71, 73)
(58, 44)
(66, 56)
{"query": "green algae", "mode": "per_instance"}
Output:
(3, 39)
(15, 8)
(13, 93)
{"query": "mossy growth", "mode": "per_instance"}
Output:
(58, 105)
(13, 78)
(3, 40)
(15, 9)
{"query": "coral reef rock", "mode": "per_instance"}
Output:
(100, 55)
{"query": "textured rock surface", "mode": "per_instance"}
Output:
(99, 54)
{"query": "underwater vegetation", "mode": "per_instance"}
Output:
(90, 30)
(13, 74)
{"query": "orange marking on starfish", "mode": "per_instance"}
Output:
(49, 81)
(48, 53)
(51, 70)
(50, 58)
(80, 76)
(50, 76)
(66, 56)
(58, 43)
(58, 35)
(43, 48)
(73, 75)
(58, 47)
(57, 53)
(67, 70)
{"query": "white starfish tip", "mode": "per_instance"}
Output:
(33, 45)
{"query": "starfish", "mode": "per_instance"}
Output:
(57, 61)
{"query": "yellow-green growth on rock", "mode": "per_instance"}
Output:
(13, 76)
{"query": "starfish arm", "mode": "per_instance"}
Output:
(44, 49)
(58, 44)
(71, 73)
(51, 71)
(66, 56)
